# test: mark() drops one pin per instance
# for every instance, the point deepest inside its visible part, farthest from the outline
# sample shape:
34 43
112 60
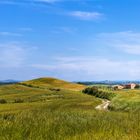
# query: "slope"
49 82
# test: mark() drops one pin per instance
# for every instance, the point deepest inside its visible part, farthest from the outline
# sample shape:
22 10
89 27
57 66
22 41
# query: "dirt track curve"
103 106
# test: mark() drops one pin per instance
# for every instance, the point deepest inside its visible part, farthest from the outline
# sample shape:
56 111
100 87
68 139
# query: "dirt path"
103 106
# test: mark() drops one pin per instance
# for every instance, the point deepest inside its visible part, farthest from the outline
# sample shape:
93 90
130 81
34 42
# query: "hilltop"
38 90
49 82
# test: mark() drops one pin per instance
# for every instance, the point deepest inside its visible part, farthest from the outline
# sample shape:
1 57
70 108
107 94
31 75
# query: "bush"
18 101
98 93
54 89
137 86
90 90
3 101
29 85
9 117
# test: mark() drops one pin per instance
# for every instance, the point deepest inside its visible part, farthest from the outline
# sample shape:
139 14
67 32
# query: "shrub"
3 101
98 93
90 90
8 116
18 101
58 89
54 89
137 86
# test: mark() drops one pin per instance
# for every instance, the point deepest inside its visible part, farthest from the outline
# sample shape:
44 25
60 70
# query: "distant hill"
107 82
49 82
9 81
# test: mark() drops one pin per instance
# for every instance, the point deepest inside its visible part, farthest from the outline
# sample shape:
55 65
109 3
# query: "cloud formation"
10 34
12 54
47 1
126 42
83 15
92 68
101 67
27 1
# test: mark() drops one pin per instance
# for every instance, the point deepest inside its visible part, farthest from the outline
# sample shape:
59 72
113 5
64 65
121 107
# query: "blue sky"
70 39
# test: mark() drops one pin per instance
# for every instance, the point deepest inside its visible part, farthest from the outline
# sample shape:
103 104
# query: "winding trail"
103 106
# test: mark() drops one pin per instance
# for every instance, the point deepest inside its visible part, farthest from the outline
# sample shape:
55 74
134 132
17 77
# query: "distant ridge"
49 82
107 82
9 81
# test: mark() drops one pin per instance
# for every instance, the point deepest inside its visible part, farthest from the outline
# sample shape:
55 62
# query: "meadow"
126 100
58 110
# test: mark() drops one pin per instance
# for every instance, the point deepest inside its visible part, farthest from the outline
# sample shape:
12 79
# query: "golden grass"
54 83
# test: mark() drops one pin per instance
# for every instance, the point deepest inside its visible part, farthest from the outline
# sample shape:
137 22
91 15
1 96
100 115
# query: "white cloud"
93 68
86 15
106 66
131 48
25 29
127 42
12 54
47 1
15 2
63 29
9 2
9 34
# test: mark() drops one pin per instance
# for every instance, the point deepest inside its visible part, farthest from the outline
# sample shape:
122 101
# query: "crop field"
32 111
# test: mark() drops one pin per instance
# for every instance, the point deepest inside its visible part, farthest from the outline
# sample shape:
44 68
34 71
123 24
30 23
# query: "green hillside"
53 83
32 93
126 100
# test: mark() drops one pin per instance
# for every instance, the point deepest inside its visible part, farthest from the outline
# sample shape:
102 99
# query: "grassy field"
126 100
42 112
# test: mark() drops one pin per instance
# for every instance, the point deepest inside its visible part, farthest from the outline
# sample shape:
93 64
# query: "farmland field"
58 110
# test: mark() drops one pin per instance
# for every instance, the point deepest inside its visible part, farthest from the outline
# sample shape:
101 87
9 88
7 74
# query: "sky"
74 40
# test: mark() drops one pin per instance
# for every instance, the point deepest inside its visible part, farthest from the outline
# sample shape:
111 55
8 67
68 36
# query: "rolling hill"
49 82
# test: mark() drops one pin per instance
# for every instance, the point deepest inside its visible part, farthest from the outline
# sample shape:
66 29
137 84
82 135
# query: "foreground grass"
64 120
